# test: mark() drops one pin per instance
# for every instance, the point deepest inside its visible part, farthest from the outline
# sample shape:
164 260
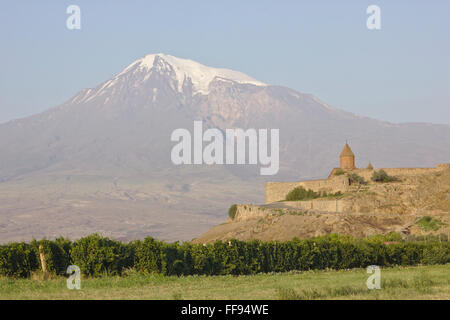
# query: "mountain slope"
380 209
111 144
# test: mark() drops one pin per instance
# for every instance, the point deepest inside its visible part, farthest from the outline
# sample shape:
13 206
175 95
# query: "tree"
232 211
382 176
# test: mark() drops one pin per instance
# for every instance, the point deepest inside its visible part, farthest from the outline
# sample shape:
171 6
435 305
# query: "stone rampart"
277 191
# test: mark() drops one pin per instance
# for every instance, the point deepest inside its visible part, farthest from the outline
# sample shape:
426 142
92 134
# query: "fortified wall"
249 211
367 173
277 191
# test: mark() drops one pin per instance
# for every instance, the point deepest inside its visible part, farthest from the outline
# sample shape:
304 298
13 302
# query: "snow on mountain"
184 70
181 72
101 161
200 75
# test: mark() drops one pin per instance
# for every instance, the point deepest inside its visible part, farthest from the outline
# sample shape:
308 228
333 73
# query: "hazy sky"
400 73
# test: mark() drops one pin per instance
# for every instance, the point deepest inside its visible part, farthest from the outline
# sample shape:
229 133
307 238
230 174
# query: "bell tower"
347 158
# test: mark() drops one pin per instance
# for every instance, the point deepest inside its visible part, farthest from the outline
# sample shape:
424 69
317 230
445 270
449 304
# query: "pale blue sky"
400 73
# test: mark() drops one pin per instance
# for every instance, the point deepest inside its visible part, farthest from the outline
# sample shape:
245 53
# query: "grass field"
430 282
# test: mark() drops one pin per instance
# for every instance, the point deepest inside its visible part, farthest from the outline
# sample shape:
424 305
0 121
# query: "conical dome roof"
347 152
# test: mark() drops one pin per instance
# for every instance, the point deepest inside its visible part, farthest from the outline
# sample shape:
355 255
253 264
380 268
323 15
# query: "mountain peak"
200 75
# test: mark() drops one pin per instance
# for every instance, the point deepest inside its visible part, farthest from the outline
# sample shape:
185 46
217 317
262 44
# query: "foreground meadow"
422 282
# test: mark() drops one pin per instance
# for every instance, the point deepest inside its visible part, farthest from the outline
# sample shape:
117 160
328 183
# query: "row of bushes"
382 176
96 255
355 178
300 193
377 176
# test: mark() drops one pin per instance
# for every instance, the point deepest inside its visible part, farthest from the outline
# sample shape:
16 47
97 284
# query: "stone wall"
249 211
367 173
277 191
443 166
318 204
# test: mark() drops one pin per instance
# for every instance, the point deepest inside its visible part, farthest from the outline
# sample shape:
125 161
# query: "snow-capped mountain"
182 75
186 72
101 161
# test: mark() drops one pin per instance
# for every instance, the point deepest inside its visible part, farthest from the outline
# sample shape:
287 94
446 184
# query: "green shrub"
96 255
232 211
382 176
57 254
437 254
176 259
355 178
300 193
337 194
428 223
148 256
339 172
18 259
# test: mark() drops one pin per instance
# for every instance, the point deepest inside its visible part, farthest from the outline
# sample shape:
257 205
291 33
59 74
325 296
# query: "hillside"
377 208
100 162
